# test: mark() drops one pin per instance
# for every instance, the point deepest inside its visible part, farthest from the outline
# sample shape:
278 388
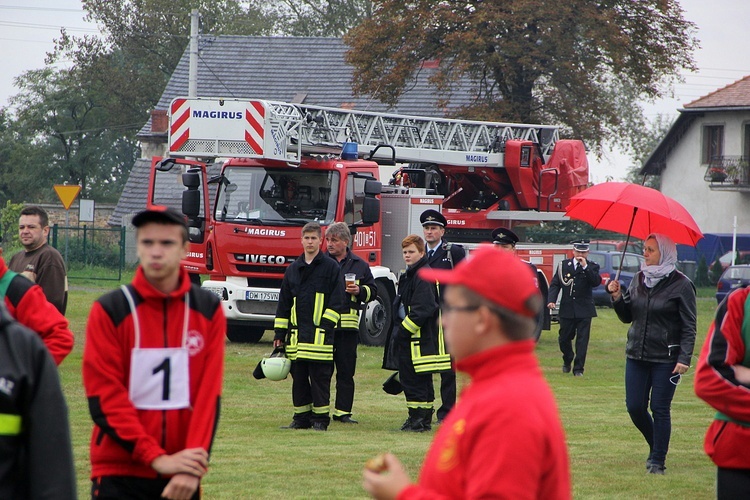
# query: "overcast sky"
30 26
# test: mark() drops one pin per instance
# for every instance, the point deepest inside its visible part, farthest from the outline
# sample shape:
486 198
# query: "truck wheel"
377 318
242 333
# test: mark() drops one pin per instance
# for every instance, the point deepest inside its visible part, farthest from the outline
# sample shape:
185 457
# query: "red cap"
497 275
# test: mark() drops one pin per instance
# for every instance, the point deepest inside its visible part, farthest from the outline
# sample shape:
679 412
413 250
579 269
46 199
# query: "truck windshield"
272 196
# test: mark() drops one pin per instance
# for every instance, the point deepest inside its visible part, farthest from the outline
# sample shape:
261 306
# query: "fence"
87 248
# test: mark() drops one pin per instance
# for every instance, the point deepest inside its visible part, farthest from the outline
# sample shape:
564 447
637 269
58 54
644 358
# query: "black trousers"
732 484
578 329
447 393
130 488
418 387
345 360
311 389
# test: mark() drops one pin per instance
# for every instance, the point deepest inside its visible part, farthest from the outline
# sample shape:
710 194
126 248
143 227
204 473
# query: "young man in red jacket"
152 368
503 439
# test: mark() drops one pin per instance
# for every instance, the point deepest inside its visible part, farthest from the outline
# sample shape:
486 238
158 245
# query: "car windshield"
277 196
737 273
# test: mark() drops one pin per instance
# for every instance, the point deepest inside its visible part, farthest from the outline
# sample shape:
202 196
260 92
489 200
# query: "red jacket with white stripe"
125 440
728 438
27 303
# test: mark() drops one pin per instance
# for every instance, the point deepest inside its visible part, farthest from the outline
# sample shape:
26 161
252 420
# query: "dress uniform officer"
576 278
441 255
506 239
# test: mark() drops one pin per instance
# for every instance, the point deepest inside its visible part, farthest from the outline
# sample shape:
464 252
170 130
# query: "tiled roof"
734 95
280 68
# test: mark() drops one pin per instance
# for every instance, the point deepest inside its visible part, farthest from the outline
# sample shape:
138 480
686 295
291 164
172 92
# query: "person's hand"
352 288
30 275
181 487
680 368
387 484
551 305
613 287
193 461
742 374
582 261
278 343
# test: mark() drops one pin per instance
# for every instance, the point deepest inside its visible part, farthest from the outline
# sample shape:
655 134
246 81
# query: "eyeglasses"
446 308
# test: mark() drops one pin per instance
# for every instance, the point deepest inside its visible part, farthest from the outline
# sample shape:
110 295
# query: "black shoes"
578 374
299 424
657 469
345 419
566 368
320 426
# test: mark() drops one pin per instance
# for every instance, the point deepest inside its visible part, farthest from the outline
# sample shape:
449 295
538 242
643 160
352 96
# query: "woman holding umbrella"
660 306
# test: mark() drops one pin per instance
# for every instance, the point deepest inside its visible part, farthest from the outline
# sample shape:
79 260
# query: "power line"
13 24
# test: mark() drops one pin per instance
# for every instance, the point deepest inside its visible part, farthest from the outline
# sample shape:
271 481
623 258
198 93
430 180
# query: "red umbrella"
634 210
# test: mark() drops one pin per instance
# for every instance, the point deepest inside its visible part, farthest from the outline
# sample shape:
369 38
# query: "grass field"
253 458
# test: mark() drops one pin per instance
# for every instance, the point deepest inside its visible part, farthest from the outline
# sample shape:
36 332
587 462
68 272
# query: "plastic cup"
351 279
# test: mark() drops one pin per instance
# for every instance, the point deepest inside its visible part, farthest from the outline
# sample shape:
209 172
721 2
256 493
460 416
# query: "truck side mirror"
191 197
370 210
373 187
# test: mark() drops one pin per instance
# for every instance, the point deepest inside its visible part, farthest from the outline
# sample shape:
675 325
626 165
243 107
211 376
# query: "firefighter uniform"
346 334
311 301
446 256
418 358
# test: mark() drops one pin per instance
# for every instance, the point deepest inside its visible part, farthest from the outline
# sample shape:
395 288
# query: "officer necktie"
429 254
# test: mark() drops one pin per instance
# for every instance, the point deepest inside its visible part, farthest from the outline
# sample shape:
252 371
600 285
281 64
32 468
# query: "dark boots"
420 420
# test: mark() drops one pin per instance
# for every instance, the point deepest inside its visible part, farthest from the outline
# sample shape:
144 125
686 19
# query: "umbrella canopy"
634 210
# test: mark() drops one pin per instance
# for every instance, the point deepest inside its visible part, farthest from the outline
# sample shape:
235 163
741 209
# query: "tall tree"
528 61
329 18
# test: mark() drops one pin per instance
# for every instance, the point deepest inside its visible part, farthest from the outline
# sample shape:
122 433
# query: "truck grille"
257 307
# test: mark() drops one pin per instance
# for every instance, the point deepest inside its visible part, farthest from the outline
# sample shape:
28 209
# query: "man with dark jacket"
441 255
576 277
311 302
359 290
36 457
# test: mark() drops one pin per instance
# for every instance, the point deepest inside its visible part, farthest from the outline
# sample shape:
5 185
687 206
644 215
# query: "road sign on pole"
67 194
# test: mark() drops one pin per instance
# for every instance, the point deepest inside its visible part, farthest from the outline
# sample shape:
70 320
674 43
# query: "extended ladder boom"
208 127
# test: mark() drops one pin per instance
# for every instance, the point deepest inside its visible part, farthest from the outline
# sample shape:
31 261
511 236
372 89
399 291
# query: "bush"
9 216
701 274
715 273
96 253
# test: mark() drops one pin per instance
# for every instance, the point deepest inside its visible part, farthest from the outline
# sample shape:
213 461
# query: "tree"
579 63
644 141
321 17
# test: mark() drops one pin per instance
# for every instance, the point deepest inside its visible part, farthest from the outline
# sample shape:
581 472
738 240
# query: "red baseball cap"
497 275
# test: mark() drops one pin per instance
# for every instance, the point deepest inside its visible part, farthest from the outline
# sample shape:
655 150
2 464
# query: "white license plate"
263 296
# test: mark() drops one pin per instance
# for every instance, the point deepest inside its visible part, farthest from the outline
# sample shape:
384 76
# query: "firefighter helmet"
276 367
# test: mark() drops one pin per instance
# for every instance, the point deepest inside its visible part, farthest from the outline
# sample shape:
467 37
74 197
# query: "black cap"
162 215
503 236
432 217
581 245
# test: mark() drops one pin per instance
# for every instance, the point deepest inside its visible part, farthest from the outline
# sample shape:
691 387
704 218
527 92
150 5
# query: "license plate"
262 296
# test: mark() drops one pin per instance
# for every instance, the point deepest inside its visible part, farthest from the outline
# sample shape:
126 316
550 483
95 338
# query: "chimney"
159 121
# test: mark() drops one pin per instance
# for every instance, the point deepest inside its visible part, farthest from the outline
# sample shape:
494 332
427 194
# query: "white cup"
351 279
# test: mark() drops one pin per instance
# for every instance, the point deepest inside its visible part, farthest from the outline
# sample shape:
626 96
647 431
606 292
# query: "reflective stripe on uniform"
281 323
410 326
420 404
10 425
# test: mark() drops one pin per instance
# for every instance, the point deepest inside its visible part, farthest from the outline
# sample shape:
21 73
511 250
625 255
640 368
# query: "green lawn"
253 458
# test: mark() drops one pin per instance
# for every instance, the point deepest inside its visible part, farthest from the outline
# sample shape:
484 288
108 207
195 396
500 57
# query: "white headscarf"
654 274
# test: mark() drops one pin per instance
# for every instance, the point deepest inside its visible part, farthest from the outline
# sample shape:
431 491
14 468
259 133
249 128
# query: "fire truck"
249 174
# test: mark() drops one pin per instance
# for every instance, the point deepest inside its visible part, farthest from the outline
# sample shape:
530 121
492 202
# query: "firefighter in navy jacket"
441 255
414 332
36 457
152 368
311 302
576 277
346 335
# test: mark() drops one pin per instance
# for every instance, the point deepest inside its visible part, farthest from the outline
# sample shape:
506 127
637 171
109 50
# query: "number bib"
159 378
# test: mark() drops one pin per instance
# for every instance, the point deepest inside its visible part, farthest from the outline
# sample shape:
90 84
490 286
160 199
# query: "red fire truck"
249 174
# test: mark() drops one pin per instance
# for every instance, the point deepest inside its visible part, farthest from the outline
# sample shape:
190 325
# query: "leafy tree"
701 274
644 141
579 63
321 17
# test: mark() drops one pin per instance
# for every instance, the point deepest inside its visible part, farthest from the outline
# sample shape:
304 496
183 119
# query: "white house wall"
682 179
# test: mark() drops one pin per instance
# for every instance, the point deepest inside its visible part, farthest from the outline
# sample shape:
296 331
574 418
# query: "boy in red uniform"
152 369
503 439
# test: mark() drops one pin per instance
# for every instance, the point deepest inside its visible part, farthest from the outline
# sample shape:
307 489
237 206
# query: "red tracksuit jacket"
503 439
27 303
727 442
126 440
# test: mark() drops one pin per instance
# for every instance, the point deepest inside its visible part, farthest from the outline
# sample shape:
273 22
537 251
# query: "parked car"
616 245
609 262
731 279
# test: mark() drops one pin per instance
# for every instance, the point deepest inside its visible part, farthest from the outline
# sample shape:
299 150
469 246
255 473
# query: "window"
355 196
713 143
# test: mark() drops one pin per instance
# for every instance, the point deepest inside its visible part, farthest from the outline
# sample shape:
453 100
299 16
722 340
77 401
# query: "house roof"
735 96
293 69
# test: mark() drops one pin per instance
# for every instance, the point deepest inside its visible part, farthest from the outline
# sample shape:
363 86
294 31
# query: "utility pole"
193 71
